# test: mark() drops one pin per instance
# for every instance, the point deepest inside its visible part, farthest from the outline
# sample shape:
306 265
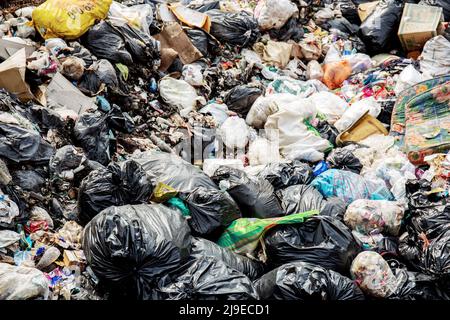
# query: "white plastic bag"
192 74
407 78
356 111
180 94
8 209
265 106
286 126
234 132
262 151
330 105
273 14
435 57
360 62
314 70
138 16
22 283
218 111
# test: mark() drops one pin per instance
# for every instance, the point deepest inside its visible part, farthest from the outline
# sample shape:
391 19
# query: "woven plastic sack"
68 19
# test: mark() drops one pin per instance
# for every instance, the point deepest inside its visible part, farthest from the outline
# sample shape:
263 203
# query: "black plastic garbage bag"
307 282
321 240
344 159
66 158
240 99
349 10
238 28
130 247
415 285
292 30
282 175
205 6
251 268
380 27
118 184
300 198
327 131
205 278
343 25
254 196
28 180
101 72
22 144
202 41
211 209
94 132
122 44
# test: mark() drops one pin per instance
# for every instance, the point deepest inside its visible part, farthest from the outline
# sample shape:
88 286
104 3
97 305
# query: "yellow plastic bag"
68 19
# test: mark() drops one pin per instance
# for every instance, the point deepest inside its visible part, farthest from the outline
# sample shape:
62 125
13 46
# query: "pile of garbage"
225 149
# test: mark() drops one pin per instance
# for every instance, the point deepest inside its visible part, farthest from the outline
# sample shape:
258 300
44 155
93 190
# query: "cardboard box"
74 258
419 24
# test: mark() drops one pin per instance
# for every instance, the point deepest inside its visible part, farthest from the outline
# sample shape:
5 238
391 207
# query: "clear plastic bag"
273 14
407 78
329 105
138 16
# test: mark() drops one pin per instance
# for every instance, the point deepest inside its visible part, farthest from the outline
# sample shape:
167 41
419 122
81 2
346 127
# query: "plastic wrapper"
205 278
118 184
273 14
306 282
282 175
251 268
137 16
22 283
241 98
377 29
67 18
344 159
368 216
192 74
235 28
373 275
254 196
211 209
320 240
130 247
349 186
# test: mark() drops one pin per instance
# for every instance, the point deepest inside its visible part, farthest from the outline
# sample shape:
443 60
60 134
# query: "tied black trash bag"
349 10
343 25
94 132
301 198
28 180
415 285
212 210
122 44
292 29
379 29
240 99
344 159
320 240
432 221
238 28
205 278
129 247
254 196
118 184
202 41
202 247
306 282
282 175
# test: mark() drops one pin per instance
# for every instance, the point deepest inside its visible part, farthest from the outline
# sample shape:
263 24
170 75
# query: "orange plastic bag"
335 73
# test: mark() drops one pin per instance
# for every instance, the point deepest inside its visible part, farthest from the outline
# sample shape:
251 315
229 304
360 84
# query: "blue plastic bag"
349 186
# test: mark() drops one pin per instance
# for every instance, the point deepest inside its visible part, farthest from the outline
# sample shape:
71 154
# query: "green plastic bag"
243 235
